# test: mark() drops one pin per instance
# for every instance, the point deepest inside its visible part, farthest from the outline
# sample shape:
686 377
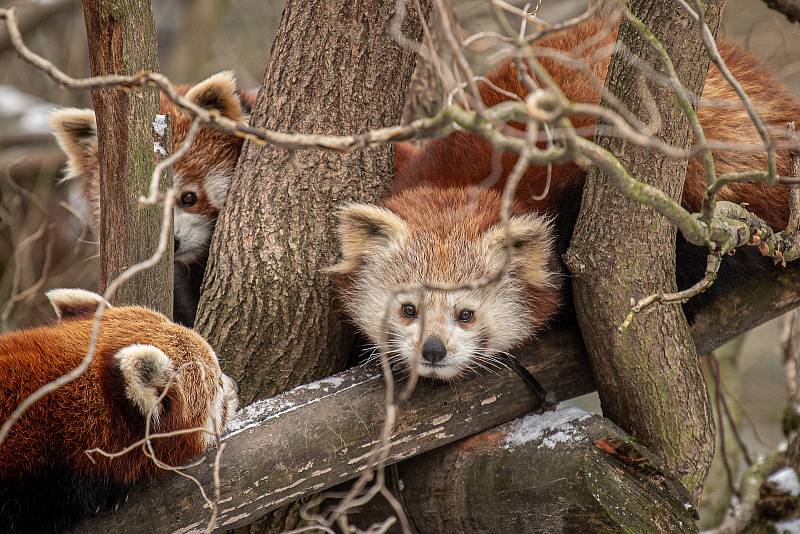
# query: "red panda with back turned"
201 176
437 224
47 482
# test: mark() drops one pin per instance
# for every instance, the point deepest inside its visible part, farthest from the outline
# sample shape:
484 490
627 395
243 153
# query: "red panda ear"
532 247
218 92
364 229
74 303
146 371
76 133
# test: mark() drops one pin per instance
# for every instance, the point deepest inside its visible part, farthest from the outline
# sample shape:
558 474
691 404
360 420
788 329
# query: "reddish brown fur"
212 149
463 159
428 210
86 413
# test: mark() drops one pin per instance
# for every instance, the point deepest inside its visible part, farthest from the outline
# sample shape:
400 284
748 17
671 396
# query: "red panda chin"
146 371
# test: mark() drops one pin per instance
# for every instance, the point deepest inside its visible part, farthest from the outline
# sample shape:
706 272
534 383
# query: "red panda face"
454 237
201 177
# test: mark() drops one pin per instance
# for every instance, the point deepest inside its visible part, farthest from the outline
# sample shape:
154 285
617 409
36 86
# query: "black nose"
177 243
433 350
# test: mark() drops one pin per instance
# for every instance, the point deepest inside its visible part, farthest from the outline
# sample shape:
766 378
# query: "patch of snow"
35 118
552 428
331 381
250 415
786 480
442 419
158 149
14 102
30 112
160 125
791 526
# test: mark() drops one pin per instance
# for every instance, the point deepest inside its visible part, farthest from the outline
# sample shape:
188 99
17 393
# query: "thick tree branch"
291 441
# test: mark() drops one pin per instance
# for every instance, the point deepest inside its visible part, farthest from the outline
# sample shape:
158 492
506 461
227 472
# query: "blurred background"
44 243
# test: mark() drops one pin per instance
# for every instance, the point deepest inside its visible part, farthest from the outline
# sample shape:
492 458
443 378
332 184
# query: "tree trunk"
648 375
335 69
122 40
333 423
266 306
486 483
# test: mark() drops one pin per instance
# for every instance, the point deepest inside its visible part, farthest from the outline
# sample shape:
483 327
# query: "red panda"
47 482
438 224
201 177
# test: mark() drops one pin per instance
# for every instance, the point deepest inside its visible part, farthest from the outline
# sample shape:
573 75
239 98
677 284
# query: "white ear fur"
532 243
75 131
74 303
218 92
146 371
363 229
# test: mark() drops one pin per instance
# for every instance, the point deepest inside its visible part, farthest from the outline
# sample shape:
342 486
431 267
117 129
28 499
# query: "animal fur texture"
439 223
201 177
47 482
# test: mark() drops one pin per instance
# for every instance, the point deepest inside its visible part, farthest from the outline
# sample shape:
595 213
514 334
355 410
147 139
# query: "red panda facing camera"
437 224
47 482
201 176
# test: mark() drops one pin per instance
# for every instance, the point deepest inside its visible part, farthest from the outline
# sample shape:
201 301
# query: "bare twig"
714 365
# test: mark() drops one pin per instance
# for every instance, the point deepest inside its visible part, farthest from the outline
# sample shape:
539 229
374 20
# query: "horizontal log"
487 482
318 435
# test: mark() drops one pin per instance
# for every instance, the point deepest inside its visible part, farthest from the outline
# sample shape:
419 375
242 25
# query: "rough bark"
335 69
486 484
331 428
266 306
648 375
426 90
122 40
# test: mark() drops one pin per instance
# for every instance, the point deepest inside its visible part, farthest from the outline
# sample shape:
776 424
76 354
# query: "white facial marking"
216 184
193 231
502 320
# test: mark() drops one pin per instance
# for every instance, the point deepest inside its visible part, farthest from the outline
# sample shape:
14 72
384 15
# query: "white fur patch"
193 230
147 371
216 184
223 408
67 301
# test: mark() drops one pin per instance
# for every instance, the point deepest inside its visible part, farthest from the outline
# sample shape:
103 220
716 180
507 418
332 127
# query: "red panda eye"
409 311
188 199
466 316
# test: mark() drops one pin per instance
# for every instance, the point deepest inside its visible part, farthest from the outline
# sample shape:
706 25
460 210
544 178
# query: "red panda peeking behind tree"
201 176
47 482
437 224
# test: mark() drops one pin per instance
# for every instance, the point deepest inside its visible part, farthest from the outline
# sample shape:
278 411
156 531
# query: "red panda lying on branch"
201 177
437 224
47 481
